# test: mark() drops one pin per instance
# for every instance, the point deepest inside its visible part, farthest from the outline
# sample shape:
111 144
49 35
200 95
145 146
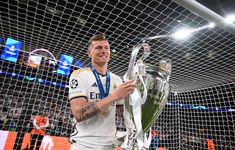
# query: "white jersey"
98 131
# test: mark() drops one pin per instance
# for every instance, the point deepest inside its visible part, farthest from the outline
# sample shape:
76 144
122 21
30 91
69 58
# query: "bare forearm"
87 111
92 108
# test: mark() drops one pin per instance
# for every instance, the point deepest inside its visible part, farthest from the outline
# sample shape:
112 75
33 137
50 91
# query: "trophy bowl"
158 90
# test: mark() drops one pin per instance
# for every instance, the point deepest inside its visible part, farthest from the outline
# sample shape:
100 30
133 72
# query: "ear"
89 53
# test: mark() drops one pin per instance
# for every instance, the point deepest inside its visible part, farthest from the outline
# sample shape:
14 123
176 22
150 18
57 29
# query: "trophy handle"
135 51
130 72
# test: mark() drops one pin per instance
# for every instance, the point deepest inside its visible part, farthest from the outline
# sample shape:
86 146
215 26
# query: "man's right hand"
124 90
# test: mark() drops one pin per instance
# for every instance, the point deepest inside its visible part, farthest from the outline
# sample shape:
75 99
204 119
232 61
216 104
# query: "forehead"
100 43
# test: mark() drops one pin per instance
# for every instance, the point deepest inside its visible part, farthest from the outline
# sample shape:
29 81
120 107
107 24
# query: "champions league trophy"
145 104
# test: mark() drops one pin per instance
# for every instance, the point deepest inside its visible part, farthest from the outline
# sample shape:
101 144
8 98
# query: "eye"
107 47
98 47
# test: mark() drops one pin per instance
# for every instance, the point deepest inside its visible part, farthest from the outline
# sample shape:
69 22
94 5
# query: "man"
93 94
155 140
40 123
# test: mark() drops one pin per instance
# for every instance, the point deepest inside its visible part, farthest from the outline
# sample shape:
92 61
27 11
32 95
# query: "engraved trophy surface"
145 104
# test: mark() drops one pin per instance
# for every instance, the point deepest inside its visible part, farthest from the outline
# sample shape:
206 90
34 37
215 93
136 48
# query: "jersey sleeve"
77 86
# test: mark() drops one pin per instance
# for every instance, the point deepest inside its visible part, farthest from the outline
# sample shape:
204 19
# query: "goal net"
201 106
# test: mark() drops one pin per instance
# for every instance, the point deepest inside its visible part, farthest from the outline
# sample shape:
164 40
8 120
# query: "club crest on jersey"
74 83
114 86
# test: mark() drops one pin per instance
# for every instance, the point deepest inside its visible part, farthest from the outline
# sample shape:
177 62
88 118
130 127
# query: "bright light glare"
182 34
211 25
230 19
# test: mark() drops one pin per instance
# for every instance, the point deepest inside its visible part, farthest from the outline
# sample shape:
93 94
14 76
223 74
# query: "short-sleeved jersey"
100 129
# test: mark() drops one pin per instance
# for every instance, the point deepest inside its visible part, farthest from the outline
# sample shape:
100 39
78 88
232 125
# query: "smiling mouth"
103 56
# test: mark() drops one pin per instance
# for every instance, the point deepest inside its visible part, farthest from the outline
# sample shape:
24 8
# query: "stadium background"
202 101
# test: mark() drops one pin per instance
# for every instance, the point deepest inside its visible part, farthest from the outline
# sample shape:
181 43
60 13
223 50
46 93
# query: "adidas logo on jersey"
94 85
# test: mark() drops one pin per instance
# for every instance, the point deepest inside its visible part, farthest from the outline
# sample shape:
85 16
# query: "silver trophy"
145 104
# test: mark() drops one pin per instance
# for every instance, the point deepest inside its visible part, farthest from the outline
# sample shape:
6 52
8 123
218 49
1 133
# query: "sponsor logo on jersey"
94 95
94 85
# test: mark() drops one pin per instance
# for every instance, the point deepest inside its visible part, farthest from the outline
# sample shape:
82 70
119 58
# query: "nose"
104 50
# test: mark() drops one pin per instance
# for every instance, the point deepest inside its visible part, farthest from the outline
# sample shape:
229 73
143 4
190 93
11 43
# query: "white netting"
202 75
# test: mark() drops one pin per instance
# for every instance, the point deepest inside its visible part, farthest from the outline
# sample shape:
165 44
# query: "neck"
101 69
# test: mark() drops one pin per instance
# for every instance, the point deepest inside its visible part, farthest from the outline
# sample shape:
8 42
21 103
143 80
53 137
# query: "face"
99 52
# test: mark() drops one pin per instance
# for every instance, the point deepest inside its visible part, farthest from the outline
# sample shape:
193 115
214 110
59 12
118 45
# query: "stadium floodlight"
182 34
230 18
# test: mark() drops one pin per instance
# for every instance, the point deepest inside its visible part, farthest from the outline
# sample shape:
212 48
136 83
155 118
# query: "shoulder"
81 71
37 117
115 77
47 119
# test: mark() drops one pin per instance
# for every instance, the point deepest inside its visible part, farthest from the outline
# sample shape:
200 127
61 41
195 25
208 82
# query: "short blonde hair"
97 37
